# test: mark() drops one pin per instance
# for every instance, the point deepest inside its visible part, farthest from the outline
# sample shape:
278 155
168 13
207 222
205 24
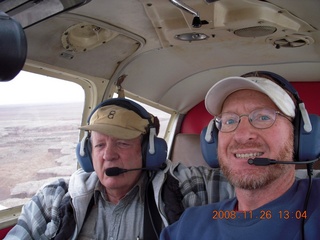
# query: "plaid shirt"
201 185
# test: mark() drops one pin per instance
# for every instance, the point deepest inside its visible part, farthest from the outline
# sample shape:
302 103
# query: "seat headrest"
13 47
186 149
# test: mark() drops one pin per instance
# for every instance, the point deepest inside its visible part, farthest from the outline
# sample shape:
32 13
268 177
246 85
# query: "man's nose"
110 152
245 131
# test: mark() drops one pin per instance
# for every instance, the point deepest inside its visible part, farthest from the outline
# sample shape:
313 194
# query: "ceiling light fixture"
190 37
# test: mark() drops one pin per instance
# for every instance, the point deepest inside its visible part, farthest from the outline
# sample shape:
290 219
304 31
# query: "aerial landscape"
37 145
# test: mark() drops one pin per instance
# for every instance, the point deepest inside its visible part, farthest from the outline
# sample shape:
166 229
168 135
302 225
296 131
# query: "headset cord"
148 202
306 201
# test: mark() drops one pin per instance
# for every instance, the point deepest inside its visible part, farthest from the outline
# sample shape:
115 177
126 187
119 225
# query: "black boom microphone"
268 161
115 171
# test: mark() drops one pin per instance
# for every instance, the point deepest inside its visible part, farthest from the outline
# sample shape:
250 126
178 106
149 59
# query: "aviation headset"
306 128
154 149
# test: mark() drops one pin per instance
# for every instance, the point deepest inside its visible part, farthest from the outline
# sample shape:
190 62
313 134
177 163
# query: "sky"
32 88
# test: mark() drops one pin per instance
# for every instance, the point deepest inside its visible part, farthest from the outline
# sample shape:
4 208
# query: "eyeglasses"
260 118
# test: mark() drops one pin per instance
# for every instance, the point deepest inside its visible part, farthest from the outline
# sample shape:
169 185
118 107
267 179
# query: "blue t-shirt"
279 219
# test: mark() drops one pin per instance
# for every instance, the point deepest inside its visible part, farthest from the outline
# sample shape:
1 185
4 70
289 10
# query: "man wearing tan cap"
116 141
112 196
260 126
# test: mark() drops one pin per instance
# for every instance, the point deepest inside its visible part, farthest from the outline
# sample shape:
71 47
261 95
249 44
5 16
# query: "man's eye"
99 145
230 121
123 144
263 118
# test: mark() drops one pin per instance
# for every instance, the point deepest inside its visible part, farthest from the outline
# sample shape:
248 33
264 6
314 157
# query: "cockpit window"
39 120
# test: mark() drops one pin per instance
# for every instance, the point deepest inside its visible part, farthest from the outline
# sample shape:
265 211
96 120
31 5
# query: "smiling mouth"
248 155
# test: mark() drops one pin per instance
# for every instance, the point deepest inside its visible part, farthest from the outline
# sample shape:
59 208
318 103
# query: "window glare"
25 88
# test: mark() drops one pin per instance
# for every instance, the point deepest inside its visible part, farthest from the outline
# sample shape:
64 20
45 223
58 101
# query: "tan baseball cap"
115 121
222 89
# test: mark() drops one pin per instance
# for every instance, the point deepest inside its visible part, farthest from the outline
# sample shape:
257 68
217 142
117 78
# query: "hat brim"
221 90
114 131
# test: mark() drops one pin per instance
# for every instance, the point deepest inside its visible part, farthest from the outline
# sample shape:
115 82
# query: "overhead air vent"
84 36
256 31
291 41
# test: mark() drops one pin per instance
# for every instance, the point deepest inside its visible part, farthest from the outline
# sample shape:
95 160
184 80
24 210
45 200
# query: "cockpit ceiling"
164 57
81 44
221 20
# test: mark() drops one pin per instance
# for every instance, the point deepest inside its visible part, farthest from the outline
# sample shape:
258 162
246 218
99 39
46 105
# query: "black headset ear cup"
83 152
209 144
309 142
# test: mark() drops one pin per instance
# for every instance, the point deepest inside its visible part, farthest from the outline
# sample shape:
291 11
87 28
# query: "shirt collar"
139 187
